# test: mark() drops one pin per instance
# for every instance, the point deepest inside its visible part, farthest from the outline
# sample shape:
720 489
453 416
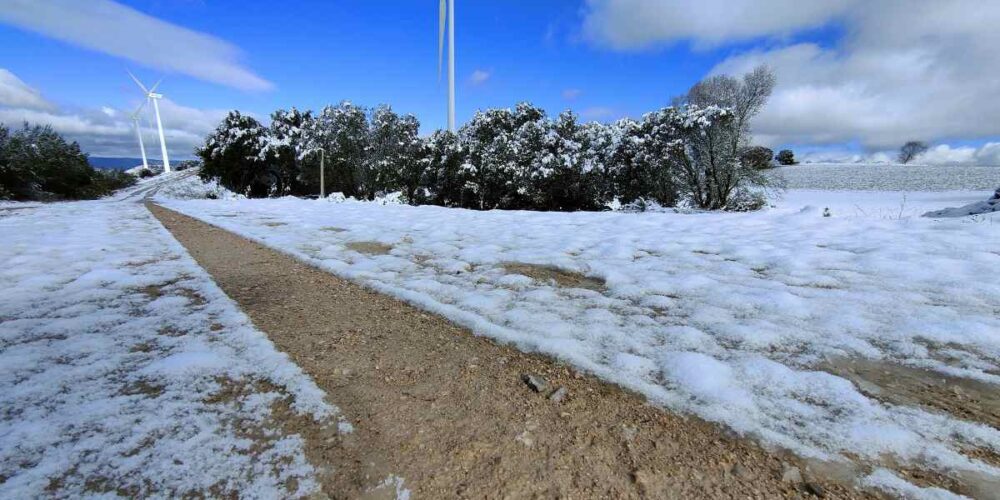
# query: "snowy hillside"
732 317
116 355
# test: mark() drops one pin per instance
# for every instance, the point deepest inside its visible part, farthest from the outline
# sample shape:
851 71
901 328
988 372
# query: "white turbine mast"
153 96
138 133
447 10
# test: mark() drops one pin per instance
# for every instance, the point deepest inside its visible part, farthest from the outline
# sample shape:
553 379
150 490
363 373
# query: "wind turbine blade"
137 110
153 88
137 82
441 19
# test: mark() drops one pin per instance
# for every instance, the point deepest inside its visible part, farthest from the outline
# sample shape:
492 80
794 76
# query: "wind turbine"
138 133
449 6
153 96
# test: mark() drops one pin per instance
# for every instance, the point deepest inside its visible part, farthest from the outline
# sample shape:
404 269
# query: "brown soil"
561 277
903 385
962 398
448 411
369 247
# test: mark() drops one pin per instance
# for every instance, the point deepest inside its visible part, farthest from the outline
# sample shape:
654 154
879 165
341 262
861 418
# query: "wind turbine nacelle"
153 95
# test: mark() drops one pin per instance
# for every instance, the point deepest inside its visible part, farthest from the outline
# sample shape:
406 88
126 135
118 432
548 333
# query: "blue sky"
320 52
604 59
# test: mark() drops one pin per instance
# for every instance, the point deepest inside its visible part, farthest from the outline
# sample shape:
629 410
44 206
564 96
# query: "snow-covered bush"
234 156
695 155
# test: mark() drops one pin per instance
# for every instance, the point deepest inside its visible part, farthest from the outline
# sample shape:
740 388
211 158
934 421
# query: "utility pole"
322 183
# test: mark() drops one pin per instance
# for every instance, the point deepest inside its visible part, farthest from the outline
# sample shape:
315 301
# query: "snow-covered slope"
987 207
116 355
724 315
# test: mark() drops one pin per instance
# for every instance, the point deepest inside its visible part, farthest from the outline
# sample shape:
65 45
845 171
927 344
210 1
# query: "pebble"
559 395
535 382
738 470
791 475
814 489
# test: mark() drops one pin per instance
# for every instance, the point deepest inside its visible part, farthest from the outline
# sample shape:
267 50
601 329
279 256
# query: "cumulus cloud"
479 76
111 28
915 70
14 92
943 154
106 131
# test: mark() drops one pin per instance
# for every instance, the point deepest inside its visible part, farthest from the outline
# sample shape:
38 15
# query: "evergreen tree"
341 131
285 150
234 155
37 163
393 156
442 175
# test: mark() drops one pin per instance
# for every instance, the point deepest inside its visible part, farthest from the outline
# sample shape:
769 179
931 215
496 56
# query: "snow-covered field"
124 370
875 177
727 316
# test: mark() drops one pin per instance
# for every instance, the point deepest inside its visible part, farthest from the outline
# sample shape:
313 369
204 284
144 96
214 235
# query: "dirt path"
448 411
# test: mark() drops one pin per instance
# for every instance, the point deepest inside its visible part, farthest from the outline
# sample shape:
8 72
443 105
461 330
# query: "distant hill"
117 163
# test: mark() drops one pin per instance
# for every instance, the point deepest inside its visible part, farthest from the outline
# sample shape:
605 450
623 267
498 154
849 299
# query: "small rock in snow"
535 382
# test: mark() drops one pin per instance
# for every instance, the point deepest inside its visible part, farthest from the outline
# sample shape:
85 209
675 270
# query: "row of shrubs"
503 158
36 163
695 153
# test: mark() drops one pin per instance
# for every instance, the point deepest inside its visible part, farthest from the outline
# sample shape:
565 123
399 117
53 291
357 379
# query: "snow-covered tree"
786 157
341 131
393 155
564 177
911 150
285 150
719 113
234 156
442 180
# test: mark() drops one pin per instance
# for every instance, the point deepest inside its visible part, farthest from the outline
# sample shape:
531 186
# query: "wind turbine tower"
138 133
153 96
447 11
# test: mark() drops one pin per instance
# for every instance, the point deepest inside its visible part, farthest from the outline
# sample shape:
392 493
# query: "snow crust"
116 355
726 316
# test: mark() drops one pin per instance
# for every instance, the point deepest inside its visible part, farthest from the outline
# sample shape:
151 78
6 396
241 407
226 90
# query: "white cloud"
14 92
920 69
987 154
105 131
598 113
943 154
632 24
109 27
571 94
479 76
